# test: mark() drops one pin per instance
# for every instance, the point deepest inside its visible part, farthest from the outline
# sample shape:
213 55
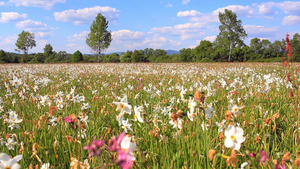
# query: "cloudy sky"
140 24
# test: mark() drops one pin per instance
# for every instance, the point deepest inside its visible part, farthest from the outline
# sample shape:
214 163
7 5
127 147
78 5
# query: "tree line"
228 46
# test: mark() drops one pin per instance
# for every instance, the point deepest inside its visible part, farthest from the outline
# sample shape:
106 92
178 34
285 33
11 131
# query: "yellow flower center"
235 109
122 106
7 168
232 137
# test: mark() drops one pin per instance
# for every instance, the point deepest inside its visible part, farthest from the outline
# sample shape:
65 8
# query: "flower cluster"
122 145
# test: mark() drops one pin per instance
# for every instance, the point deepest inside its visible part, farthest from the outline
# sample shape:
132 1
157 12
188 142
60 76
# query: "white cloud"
185 2
238 9
175 43
290 7
191 13
127 35
47 4
81 36
291 20
40 29
261 31
196 16
266 8
185 31
210 38
86 15
8 43
12 16
2 3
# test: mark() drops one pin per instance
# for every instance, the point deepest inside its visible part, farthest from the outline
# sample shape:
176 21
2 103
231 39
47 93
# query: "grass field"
208 115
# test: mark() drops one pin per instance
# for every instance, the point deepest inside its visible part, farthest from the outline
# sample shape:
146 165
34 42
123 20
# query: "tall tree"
25 42
232 32
99 37
48 50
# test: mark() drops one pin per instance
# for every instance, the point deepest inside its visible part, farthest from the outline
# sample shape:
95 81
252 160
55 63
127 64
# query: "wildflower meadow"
147 115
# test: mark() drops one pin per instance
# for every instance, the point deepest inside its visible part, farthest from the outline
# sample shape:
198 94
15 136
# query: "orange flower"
228 115
231 159
285 157
211 154
297 162
200 96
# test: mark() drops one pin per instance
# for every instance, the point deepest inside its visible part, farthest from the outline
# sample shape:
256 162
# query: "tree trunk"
99 54
230 47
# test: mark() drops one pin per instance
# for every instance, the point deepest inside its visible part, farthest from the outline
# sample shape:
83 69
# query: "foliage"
26 41
48 50
77 56
2 56
231 33
99 37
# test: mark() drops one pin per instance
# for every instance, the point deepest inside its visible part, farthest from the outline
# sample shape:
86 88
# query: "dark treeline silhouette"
258 50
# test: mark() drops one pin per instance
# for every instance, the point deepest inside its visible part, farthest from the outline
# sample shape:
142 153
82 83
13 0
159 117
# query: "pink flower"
252 155
124 160
68 119
95 148
264 157
114 144
280 166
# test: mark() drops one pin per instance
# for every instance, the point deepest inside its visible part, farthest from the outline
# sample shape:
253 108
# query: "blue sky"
140 24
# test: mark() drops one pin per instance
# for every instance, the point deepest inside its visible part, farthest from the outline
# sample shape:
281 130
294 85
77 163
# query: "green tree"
126 57
256 47
185 54
278 48
232 32
48 50
77 56
203 50
99 38
26 41
295 44
137 56
2 56
38 58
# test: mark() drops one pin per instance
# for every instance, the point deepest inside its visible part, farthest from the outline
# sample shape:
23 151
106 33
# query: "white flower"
221 125
8 163
176 123
123 105
235 109
126 126
137 115
244 165
128 147
204 126
209 111
53 121
45 166
10 143
85 106
191 115
234 137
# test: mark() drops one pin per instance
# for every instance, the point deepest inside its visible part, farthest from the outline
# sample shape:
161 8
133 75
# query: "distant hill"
170 52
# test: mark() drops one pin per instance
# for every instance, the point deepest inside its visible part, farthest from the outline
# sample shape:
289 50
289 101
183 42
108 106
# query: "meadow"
146 115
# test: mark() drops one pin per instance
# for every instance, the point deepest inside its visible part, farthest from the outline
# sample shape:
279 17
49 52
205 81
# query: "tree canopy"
99 37
232 32
26 41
